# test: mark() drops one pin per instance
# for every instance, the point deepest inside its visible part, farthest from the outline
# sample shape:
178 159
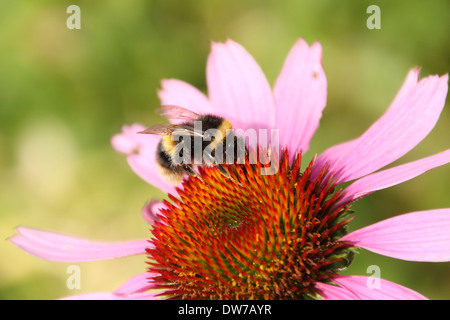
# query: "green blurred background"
64 93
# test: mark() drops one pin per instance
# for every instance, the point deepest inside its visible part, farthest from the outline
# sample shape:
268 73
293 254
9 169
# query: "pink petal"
129 141
180 93
331 292
417 236
238 89
151 211
143 164
62 248
137 284
133 289
391 177
123 144
141 151
411 116
112 296
300 93
387 290
333 154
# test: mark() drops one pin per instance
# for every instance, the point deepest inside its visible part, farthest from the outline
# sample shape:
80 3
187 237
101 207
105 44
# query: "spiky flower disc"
266 237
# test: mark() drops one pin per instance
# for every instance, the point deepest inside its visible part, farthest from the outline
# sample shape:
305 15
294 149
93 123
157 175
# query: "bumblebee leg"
192 172
226 173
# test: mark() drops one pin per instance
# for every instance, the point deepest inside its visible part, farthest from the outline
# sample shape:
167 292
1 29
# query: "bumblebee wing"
168 128
162 129
177 113
187 130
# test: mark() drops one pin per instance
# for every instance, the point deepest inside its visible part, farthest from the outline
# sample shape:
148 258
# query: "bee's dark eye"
181 138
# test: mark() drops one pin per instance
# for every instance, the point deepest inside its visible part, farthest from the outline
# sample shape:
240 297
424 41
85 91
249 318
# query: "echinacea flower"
280 236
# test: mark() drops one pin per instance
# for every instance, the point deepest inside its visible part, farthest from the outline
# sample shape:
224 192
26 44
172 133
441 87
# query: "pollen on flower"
266 237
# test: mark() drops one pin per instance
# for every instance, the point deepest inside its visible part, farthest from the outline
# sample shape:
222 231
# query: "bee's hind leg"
192 172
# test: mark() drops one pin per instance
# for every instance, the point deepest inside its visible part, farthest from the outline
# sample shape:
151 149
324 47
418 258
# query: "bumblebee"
197 139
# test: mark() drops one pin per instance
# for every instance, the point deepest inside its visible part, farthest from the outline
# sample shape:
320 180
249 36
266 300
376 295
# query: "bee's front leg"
227 174
192 172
